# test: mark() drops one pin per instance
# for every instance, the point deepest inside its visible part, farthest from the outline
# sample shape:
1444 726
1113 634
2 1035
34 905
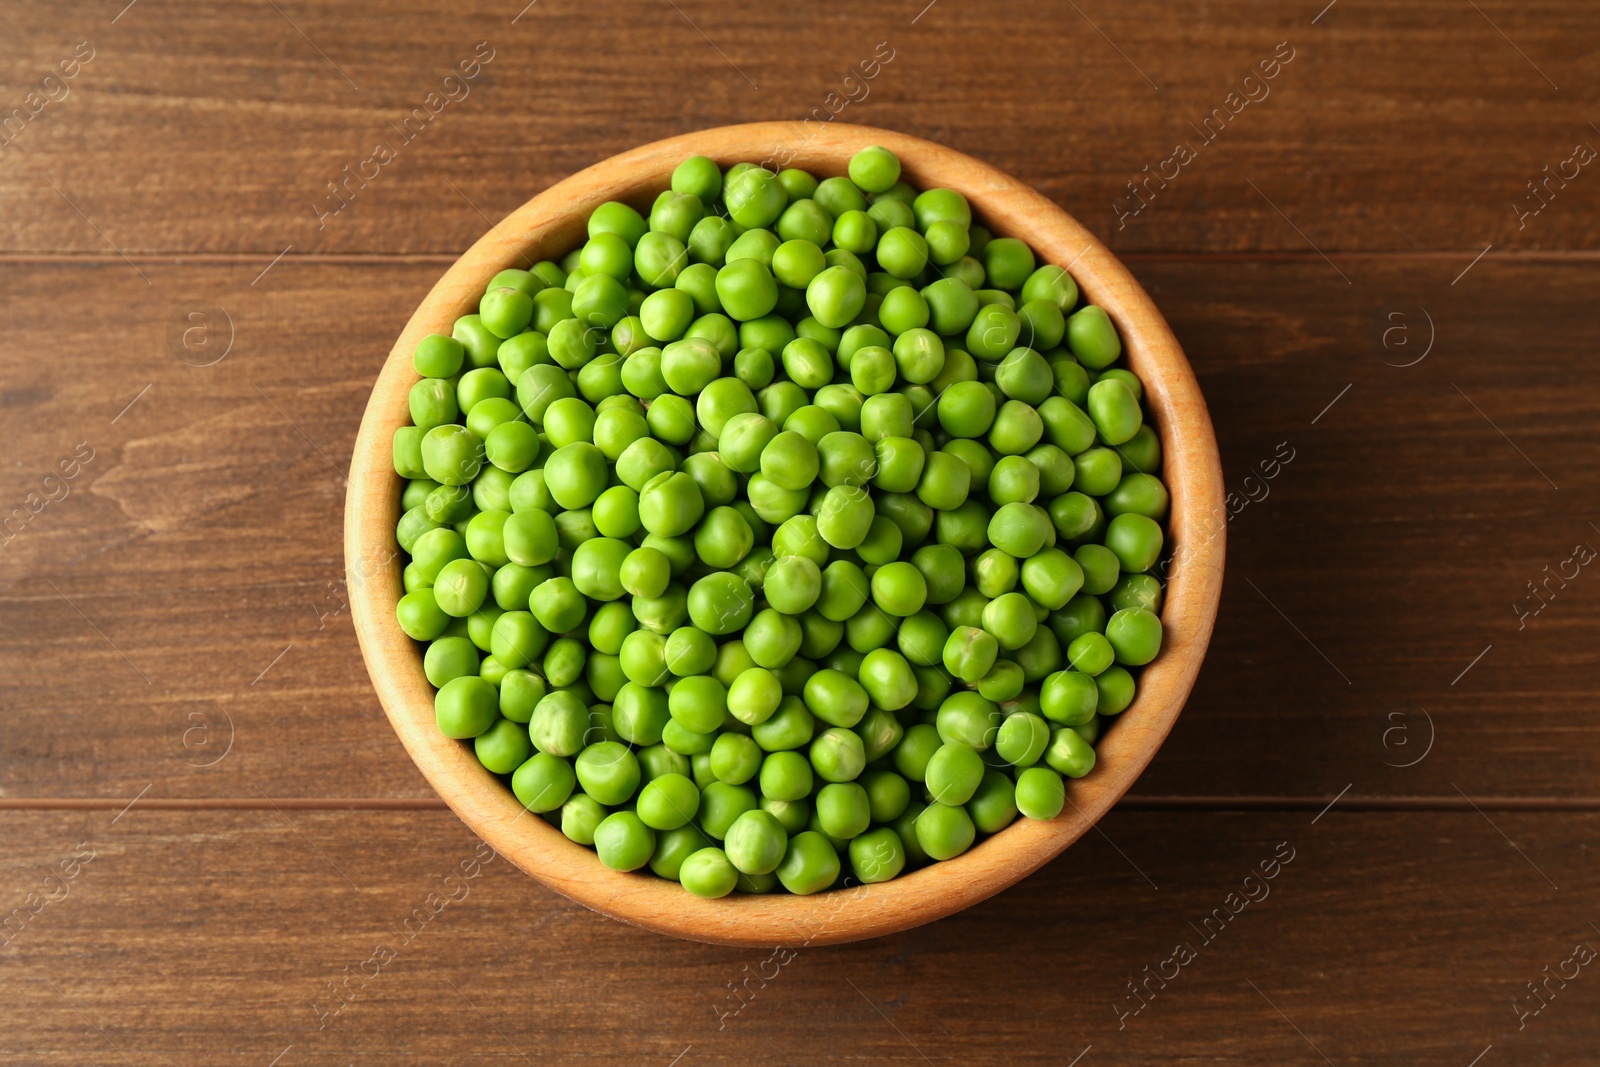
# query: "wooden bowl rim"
547 226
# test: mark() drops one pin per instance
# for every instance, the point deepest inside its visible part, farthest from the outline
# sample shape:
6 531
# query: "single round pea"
837 755
1052 578
1090 653
623 841
699 703
899 589
1069 753
466 707
698 176
1022 739
792 584
721 804
967 409
994 806
944 831
970 653
754 196
1137 591
1092 337
790 461
755 842
810 864
1100 568
1011 619
543 782
843 810
903 252
708 874
1017 428
754 696
875 169
845 517
945 482
735 758
1040 793
438 356
1117 688
953 773
461 587
608 771
1136 541
835 296
835 698
639 714
668 802
746 289
1134 635
888 679
721 603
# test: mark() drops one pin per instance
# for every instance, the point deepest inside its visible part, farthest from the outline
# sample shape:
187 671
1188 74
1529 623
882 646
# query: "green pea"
1136 541
623 841
1115 410
1020 530
754 197
1100 568
747 289
835 296
1142 451
1022 739
855 231
1138 494
755 842
919 354
461 587
966 409
993 807
721 804
899 589
948 241
874 169
993 332
438 356
1011 619
903 252
1136 591
793 584
1052 578
1117 688
835 698
843 810
721 603
810 864
668 802
1069 753
689 651
944 831
772 638
845 517
465 707
543 782
1013 479
1092 337
837 755
1134 635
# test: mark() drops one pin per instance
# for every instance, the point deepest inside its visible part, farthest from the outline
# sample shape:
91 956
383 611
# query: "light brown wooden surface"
203 539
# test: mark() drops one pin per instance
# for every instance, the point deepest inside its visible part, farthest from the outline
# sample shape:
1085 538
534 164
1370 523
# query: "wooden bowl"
551 224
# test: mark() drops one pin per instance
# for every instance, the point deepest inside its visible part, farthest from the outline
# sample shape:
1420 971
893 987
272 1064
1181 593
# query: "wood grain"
545 226
260 911
204 538
1405 128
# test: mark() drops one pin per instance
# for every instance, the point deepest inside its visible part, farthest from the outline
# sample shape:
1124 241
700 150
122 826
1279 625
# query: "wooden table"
208 824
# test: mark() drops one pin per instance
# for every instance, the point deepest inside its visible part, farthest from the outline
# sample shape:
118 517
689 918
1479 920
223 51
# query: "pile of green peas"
792 532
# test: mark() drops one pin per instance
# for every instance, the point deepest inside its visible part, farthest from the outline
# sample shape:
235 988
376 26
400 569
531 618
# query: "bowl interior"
551 224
